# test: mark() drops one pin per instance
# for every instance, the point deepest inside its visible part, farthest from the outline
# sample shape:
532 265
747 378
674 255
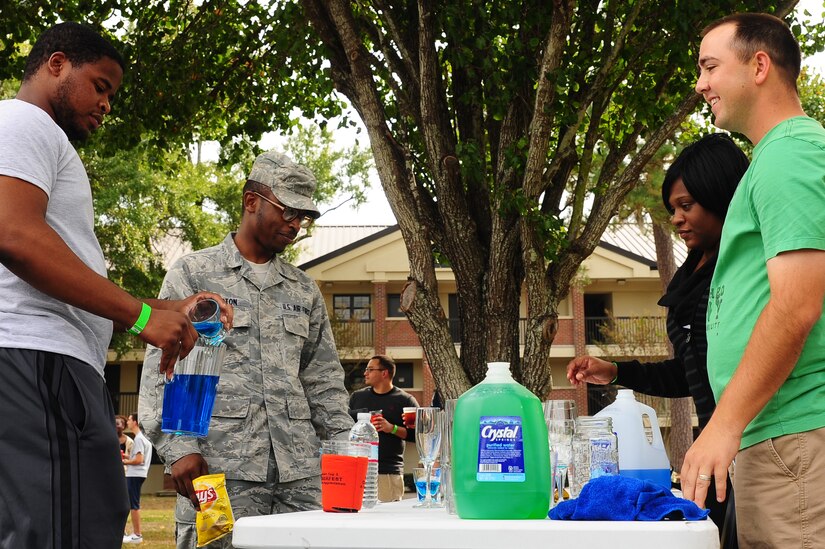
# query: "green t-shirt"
779 206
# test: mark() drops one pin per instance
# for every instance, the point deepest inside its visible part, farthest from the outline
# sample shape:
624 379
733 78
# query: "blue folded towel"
618 497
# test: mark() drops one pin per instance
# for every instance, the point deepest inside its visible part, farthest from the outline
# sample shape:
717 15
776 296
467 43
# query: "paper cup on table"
343 474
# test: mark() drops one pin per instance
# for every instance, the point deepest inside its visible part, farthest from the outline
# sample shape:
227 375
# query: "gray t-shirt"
33 148
141 446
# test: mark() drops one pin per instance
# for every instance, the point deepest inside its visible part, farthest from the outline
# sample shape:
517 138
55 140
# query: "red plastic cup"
408 417
376 418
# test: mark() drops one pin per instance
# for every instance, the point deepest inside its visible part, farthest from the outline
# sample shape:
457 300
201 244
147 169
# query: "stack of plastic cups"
446 449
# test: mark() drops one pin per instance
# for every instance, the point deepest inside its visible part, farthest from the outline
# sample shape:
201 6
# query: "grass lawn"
157 518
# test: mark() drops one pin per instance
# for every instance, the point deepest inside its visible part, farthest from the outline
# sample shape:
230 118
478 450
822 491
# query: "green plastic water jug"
501 458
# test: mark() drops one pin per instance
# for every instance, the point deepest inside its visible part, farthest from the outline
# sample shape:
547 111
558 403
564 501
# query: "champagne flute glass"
446 456
560 416
206 319
428 429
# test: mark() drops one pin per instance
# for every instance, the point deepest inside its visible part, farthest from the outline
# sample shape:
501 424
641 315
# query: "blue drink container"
189 398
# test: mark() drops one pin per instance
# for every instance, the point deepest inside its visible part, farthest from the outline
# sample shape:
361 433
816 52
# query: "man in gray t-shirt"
62 483
137 468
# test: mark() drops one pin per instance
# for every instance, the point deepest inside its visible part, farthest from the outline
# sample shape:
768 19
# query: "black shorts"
61 476
133 485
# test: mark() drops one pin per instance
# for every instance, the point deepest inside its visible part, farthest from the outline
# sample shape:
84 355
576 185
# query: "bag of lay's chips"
214 520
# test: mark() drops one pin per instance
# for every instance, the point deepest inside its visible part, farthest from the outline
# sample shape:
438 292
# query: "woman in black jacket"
697 190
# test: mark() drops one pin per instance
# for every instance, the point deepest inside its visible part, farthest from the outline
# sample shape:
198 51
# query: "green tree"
812 93
154 205
483 119
342 173
153 202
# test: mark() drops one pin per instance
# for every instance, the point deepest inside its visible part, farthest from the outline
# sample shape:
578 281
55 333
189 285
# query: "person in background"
137 465
59 309
282 386
697 190
126 441
765 324
381 394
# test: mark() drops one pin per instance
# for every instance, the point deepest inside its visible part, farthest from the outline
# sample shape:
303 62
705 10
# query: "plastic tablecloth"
399 526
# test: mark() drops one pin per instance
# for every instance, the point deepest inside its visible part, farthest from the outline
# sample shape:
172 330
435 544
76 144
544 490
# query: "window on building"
453 318
394 306
352 307
595 316
403 375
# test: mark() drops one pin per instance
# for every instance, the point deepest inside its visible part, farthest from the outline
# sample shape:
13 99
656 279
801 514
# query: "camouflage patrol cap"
291 183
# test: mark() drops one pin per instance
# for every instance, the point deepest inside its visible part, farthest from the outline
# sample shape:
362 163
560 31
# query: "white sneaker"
134 538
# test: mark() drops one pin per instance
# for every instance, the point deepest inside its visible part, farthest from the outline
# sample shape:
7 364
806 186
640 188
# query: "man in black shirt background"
381 394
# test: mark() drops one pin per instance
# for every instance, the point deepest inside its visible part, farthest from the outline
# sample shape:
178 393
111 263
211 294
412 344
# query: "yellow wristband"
394 429
140 323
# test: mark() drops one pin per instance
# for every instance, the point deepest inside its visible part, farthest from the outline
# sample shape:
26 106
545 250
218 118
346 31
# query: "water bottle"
500 456
595 452
363 431
642 452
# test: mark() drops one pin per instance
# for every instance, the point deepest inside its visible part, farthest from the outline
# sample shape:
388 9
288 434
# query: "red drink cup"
376 418
408 417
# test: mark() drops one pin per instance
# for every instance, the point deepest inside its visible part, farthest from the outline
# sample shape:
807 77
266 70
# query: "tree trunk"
681 428
484 133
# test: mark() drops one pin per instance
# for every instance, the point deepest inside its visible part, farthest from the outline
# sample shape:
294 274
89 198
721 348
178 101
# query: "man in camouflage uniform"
282 385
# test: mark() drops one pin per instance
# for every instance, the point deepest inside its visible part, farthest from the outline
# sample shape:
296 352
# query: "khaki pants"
390 487
780 492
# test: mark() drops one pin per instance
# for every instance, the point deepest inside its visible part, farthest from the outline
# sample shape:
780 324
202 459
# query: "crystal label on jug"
500 449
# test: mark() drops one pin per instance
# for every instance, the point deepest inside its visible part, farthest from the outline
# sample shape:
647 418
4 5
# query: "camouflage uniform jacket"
282 385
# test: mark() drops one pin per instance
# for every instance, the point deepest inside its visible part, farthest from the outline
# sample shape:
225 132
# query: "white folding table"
399 526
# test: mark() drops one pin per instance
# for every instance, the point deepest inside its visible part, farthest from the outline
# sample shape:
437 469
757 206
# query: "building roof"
328 241
331 240
638 240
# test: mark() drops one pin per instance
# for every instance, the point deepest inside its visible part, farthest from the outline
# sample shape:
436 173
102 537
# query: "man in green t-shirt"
765 326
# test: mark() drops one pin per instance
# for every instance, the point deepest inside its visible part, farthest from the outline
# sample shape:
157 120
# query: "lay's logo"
206 497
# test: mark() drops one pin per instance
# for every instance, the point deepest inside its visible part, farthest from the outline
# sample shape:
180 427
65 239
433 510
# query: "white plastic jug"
642 452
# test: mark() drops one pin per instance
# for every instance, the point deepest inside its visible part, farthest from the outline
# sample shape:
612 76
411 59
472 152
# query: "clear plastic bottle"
595 451
500 456
363 431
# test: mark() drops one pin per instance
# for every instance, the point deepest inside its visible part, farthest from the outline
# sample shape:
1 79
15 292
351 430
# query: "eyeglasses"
289 213
373 369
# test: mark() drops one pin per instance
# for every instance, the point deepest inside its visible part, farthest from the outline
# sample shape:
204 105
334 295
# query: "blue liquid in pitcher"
187 404
656 476
208 329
